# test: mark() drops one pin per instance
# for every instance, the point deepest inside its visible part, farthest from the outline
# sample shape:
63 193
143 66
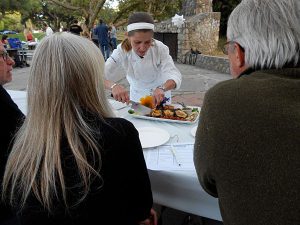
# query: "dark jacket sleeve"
11 119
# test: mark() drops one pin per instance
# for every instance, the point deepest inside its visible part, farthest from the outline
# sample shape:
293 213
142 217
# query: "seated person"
17 52
31 41
4 40
75 28
11 118
247 142
80 164
29 36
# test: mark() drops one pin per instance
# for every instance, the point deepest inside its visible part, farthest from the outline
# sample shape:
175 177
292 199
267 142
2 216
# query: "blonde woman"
28 35
72 162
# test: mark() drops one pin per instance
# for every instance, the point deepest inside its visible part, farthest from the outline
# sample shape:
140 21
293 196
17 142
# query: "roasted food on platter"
172 113
171 107
168 112
156 113
180 113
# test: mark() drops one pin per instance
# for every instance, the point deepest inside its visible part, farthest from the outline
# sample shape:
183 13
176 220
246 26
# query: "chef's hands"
159 92
120 94
158 95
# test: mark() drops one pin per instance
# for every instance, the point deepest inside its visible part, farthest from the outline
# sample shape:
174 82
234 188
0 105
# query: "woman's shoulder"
115 127
159 48
159 44
118 122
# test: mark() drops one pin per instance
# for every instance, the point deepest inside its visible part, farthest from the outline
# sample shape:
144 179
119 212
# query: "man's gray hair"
268 30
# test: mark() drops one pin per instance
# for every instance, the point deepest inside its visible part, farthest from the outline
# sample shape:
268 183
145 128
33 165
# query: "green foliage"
159 9
1 25
12 22
10 5
106 14
225 7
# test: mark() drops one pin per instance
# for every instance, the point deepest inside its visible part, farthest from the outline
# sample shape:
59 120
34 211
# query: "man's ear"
126 34
240 55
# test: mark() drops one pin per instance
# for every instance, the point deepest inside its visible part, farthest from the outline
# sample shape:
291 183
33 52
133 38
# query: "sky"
114 3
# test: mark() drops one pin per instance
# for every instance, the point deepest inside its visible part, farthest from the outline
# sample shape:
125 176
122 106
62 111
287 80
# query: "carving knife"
140 109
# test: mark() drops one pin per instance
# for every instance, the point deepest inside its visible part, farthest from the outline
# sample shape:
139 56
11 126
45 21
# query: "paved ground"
195 83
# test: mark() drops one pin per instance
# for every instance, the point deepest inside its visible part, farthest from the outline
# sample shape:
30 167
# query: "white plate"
168 120
153 136
117 105
193 131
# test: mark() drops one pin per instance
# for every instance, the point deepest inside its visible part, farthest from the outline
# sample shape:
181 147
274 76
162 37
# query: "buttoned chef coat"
146 73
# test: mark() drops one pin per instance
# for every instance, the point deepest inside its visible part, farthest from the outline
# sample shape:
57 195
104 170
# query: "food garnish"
147 101
131 111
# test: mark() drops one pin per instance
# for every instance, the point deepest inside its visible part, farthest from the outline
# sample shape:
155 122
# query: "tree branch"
65 5
125 10
96 12
70 7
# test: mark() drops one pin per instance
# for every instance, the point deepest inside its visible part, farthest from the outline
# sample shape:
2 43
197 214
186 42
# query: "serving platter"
168 120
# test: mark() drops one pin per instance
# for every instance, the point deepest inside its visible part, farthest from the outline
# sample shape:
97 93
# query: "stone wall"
200 31
219 64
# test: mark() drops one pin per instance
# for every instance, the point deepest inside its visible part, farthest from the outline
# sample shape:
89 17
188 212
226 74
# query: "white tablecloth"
176 189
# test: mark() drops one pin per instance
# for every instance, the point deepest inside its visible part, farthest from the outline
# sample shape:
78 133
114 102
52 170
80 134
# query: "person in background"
72 161
109 39
102 32
32 42
247 142
28 35
11 119
4 40
94 36
113 36
148 66
75 28
48 30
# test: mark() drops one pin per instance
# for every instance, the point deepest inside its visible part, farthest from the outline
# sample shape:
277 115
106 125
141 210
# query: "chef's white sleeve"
113 70
168 68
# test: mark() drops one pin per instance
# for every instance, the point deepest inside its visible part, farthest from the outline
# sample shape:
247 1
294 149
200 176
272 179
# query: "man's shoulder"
7 105
224 86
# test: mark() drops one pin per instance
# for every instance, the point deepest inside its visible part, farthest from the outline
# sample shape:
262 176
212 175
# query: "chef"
148 66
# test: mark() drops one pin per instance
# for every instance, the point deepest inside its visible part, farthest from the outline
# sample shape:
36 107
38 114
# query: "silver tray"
168 120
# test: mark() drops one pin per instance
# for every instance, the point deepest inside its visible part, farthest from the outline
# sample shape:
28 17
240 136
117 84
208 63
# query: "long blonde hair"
66 79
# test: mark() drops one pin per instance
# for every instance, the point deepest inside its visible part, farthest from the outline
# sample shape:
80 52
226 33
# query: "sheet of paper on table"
170 157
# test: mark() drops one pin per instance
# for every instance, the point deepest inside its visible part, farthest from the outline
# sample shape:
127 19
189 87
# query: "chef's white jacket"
143 74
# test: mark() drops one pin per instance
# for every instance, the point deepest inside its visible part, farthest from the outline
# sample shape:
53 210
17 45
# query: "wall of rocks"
199 32
215 63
